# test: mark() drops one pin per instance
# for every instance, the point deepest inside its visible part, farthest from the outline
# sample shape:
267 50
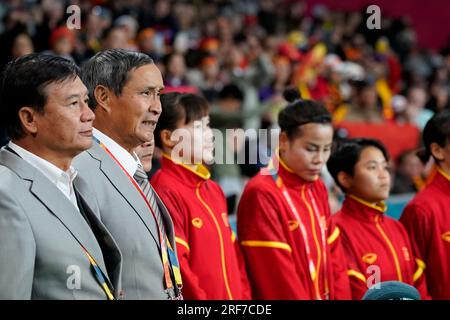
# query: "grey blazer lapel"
53 199
167 219
122 184
111 252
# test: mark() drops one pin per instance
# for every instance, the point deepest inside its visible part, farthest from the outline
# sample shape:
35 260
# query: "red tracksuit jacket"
427 220
273 246
370 238
210 259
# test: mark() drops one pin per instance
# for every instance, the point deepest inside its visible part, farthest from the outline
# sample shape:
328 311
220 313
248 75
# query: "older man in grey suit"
52 243
124 88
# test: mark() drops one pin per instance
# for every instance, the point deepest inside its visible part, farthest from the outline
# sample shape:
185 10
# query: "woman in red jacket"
290 249
427 216
377 247
210 261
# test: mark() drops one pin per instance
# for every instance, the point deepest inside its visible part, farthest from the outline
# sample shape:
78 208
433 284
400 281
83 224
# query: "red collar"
290 179
184 173
363 210
442 180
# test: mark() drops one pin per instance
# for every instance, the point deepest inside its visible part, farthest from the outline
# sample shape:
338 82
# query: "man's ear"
166 140
284 142
27 116
102 96
437 151
345 180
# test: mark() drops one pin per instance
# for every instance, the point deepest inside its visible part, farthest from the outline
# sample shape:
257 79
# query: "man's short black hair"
111 68
347 154
23 83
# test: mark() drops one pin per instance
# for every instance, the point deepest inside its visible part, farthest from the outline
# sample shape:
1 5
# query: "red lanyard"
311 266
323 231
165 259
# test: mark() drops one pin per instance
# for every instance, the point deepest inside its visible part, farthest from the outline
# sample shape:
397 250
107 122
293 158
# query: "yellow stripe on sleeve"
356 274
420 268
333 236
183 243
267 244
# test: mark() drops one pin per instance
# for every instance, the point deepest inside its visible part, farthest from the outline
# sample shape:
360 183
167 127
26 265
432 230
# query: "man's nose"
155 105
87 114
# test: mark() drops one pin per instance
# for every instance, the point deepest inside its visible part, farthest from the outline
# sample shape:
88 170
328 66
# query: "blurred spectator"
97 21
146 42
409 177
225 115
115 38
208 79
380 79
175 75
440 99
130 26
416 112
22 45
365 105
62 42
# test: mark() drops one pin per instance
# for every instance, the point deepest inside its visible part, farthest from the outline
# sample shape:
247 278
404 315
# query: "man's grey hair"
111 68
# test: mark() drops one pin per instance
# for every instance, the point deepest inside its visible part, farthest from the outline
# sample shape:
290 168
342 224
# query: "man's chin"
86 144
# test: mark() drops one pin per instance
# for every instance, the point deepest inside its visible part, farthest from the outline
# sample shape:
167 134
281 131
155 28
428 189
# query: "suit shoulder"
3 171
12 190
9 178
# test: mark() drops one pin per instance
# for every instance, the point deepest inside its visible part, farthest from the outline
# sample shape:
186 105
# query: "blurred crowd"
241 55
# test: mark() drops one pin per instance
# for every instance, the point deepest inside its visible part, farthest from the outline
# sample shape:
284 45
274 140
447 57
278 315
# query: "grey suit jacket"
128 218
40 235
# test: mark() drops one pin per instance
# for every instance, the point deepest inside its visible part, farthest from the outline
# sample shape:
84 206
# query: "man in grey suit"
52 243
124 87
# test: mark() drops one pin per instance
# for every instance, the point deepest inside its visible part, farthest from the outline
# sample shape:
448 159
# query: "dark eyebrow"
72 96
151 88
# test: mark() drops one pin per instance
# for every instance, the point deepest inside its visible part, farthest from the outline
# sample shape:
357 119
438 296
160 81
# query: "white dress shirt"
63 180
128 161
